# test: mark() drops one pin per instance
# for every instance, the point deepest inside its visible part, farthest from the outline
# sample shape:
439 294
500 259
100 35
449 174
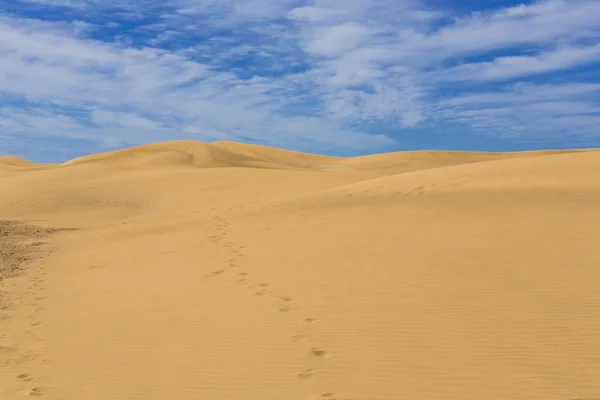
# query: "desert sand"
222 271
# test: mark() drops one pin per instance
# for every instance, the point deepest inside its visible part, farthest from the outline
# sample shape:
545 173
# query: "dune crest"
198 154
230 271
232 154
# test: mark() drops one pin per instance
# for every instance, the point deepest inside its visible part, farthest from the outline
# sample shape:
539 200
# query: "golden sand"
237 272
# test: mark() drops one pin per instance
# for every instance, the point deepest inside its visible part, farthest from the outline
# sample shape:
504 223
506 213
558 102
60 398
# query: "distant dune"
231 154
233 271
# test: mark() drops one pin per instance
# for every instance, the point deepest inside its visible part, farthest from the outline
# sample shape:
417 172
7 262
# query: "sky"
334 77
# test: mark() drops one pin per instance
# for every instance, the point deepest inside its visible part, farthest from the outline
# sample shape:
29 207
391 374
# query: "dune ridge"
232 154
235 271
219 154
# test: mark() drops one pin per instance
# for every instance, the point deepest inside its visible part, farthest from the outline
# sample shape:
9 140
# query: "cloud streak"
313 75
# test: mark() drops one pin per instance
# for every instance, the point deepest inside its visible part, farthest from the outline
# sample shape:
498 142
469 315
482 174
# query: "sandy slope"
230 271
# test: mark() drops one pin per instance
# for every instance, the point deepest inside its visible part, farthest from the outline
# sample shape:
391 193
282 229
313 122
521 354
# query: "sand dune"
231 154
219 154
9 164
232 271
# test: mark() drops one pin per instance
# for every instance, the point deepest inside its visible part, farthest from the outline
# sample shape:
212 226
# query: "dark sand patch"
20 244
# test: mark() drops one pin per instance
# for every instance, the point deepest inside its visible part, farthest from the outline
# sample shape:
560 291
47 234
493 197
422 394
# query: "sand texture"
224 271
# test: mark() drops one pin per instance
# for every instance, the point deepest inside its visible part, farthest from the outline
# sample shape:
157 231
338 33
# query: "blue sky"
337 77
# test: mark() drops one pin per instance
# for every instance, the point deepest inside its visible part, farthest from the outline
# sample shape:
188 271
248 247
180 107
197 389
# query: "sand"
186 270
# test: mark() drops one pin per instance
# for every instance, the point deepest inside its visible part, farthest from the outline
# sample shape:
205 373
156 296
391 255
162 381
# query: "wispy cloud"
521 66
297 73
530 111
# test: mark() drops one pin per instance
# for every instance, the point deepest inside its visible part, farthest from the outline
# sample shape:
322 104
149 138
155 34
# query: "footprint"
262 293
330 396
25 377
263 284
318 352
300 337
309 319
36 391
284 309
217 272
306 374
242 273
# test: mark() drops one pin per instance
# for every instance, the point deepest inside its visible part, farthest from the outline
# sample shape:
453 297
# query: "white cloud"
537 23
328 10
123 120
18 120
296 72
59 3
335 40
519 66
528 110
521 93
101 79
